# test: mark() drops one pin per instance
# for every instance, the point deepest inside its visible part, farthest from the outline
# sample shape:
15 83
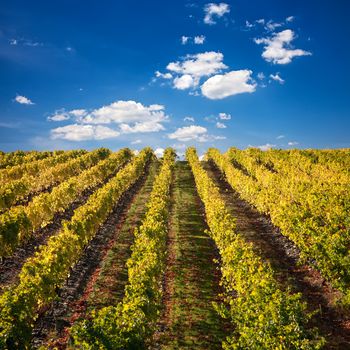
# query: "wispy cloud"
23 100
224 116
213 10
276 77
184 39
25 42
278 49
199 39
220 125
163 75
264 147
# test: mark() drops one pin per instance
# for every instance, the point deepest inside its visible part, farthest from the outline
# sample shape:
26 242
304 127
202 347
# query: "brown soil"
333 323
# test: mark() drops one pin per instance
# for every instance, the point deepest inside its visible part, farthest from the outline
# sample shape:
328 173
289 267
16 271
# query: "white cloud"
199 65
271 26
193 133
61 115
147 126
78 112
136 142
276 77
199 39
25 42
23 100
261 76
159 152
249 25
265 147
224 116
179 146
189 133
163 75
32 43
215 10
290 19
221 125
260 21
77 132
130 115
184 82
231 83
184 39
293 143
58 117
279 137
188 119
278 48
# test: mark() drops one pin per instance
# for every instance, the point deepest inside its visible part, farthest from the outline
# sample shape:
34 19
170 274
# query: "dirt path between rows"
191 282
51 329
283 255
12 265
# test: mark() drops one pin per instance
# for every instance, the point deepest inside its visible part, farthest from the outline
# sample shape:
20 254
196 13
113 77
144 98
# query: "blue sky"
85 74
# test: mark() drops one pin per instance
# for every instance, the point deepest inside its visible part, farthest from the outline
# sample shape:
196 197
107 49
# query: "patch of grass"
109 286
192 321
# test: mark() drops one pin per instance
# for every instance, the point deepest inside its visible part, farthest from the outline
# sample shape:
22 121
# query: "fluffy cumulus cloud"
78 112
293 143
213 10
198 65
276 77
278 48
193 133
184 82
78 132
128 116
189 119
228 84
23 100
189 133
189 71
